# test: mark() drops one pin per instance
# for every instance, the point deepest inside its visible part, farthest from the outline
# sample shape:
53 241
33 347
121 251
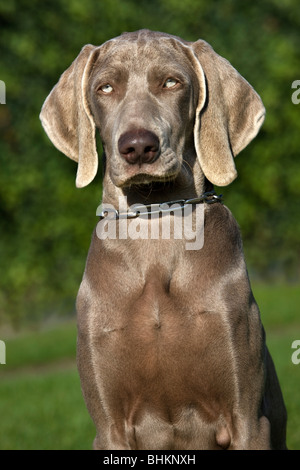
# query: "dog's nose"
139 146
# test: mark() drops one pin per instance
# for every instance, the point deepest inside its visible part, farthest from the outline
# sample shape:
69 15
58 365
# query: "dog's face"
158 102
144 100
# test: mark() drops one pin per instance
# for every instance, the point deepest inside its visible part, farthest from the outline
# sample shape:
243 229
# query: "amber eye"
107 88
170 83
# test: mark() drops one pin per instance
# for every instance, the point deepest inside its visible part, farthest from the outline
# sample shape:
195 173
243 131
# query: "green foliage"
46 223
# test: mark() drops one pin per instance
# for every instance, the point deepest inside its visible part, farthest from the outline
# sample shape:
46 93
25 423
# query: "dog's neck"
184 186
158 192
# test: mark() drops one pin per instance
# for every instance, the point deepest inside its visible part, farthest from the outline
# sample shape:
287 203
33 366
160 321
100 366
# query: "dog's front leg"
91 360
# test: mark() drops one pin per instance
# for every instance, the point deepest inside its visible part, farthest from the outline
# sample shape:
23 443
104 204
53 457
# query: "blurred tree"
46 223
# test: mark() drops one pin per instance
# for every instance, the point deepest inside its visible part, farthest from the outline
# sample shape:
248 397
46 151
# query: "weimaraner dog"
171 348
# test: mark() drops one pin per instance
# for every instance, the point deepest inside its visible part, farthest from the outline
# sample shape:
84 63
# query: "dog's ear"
67 119
228 116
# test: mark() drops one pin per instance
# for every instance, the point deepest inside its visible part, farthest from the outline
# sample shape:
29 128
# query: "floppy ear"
227 119
67 119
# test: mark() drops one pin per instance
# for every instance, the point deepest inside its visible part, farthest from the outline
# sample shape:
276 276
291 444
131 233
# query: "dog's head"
155 99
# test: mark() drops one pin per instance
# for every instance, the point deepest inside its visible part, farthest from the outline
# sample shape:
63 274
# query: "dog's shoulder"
221 232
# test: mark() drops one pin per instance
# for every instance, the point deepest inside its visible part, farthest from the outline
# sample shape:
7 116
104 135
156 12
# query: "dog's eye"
170 83
107 88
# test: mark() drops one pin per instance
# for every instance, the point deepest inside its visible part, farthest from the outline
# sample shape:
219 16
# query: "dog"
171 349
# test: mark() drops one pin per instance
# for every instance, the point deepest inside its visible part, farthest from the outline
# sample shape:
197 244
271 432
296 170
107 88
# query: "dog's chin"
146 181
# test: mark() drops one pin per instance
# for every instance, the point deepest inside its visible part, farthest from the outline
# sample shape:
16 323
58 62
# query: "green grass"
279 306
41 405
44 412
43 347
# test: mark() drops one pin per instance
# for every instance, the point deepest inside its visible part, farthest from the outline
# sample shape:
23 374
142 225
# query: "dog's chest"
158 329
156 301
164 334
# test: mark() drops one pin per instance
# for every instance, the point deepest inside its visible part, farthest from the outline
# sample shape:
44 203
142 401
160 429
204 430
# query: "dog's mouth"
145 182
145 192
155 186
